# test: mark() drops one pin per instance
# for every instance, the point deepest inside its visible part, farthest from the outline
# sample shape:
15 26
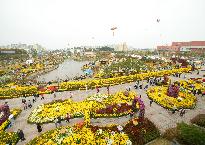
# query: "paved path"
162 118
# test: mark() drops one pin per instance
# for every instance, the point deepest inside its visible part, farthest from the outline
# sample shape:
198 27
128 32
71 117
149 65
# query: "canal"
68 69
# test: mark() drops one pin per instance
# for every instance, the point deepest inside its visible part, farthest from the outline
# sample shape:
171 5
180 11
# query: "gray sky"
55 23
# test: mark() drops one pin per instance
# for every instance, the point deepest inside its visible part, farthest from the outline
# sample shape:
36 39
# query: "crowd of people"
28 103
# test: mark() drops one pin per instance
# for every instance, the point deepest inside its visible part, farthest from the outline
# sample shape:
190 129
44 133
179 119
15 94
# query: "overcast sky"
57 23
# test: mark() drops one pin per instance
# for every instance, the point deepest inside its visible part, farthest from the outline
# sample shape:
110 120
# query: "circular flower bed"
159 95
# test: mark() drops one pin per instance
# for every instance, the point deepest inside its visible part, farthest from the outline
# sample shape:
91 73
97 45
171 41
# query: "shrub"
141 134
199 120
190 134
170 134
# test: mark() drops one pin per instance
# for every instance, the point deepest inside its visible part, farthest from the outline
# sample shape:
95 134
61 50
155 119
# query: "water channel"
68 69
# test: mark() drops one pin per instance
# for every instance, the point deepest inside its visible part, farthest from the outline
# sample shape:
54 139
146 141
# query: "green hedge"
190 134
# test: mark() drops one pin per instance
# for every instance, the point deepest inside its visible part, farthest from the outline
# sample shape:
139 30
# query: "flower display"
15 112
86 135
114 110
4 125
8 137
159 94
19 91
116 80
82 136
98 97
49 112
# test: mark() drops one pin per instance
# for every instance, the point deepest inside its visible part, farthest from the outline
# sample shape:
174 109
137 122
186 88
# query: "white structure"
29 61
121 47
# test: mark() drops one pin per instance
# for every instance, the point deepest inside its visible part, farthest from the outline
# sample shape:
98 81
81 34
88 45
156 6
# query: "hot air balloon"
158 20
113 30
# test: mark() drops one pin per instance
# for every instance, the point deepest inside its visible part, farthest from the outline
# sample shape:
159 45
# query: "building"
193 46
90 54
121 47
26 47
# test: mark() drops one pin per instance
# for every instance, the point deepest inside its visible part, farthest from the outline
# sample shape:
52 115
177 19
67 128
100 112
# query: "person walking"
129 88
54 94
197 72
35 97
146 87
108 90
140 86
34 100
68 117
174 109
25 106
42 96
59 121
182 112
97 89
184 76
21 135
29 104
39 128
11 119
150 103
136 86
71 95
23 100
56 122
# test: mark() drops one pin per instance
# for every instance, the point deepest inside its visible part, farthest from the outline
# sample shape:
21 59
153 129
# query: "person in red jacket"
97 89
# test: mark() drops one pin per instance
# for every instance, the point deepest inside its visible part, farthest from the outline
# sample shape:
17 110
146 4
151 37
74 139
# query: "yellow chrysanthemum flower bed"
159 95
8 137
48 112
81 136
15 112
117 80
19 91
4 125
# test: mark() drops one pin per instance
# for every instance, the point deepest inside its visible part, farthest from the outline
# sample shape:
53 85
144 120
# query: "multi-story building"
121 47
193 46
